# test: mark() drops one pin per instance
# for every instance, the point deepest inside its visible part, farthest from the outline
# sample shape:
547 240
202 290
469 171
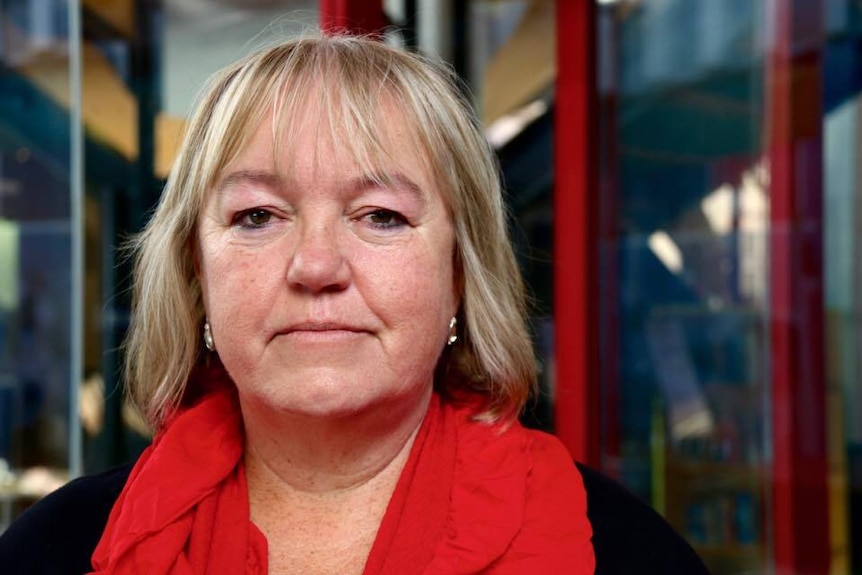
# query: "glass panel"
684 392
117 115
842 143
35 251
511 70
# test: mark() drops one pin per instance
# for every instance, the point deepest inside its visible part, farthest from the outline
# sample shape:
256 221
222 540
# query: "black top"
58 534
629 536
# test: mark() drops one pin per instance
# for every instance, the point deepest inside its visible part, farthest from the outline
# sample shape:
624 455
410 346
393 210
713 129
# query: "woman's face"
327 293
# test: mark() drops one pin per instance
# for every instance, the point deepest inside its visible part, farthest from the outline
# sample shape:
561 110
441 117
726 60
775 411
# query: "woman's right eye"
252 219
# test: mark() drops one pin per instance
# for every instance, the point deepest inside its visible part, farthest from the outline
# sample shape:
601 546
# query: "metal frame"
794 108
352 16
576 231
76 218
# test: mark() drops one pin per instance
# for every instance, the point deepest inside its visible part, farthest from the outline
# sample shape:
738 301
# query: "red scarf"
471 498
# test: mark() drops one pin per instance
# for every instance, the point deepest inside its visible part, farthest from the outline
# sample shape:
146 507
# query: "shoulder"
576 502
529 484
556 522
540 459
59 533
517 504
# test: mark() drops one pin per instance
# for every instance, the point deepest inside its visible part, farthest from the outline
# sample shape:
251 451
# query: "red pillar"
575 230
352 16
794 109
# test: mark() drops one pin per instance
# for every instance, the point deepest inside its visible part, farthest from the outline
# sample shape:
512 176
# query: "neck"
307 456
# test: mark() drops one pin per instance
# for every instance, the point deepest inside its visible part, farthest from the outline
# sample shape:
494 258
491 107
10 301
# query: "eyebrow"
267 179
360 183
387 180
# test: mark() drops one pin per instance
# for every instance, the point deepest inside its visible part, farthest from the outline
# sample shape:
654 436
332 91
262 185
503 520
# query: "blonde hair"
493 356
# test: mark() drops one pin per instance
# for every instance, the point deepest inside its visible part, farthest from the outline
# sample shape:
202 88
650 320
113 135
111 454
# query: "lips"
322 331
323 326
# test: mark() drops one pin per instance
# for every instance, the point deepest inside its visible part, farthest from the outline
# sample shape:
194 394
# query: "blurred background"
683 179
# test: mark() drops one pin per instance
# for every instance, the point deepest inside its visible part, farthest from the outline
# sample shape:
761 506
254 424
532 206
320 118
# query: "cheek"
420 288
234 285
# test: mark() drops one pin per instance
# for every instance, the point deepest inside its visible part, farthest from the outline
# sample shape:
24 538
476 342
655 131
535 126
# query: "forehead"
326 135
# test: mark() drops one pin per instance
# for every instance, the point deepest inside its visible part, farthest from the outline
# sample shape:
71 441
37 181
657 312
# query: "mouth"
322 331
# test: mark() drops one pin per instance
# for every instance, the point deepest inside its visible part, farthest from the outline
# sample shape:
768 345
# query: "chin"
327 407
318 400
333 393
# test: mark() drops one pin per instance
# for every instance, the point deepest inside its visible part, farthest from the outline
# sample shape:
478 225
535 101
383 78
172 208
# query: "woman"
329 339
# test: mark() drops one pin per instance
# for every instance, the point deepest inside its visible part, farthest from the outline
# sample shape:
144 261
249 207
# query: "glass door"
37 259
683 270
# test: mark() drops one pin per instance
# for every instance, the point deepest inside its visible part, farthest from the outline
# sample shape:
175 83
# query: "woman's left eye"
253 219
385 219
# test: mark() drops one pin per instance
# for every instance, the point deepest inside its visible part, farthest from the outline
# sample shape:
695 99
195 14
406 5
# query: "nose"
318 263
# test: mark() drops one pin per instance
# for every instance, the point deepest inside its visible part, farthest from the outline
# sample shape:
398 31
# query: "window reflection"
684 389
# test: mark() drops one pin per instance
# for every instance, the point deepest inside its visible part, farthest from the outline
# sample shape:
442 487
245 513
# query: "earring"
453 331
208 337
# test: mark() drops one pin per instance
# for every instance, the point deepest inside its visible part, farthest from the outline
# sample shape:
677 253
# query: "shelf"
733 551
703 476
701 468
717 505
699 309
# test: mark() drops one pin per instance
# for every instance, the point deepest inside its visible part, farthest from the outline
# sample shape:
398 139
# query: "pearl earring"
208 337
453 331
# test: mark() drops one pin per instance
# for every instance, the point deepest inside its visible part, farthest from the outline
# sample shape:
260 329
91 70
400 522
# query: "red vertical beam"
794 127
352 16
575 223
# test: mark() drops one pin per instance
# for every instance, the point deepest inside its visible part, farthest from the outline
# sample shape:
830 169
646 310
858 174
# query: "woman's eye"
256 218
385 219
